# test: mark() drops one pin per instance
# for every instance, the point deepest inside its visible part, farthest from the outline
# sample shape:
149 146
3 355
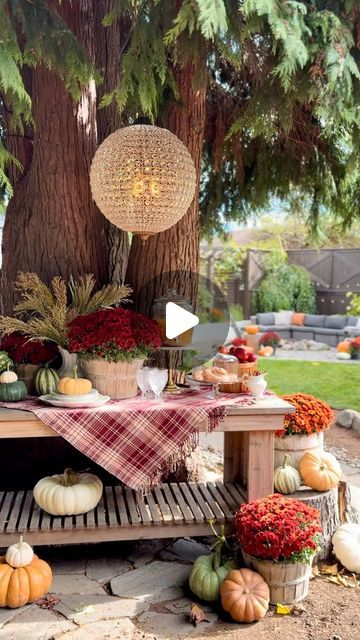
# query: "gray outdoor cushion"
312 320
335 322
326 331
352 321
296 330
265 318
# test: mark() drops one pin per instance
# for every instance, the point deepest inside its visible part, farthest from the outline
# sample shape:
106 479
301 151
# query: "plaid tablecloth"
136 440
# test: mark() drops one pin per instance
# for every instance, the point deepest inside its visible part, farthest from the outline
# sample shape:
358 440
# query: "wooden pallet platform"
172 510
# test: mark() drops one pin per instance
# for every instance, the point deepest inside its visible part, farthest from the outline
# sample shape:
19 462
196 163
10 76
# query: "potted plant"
302 431
279 537
270 339
112 345
44 313
28 355
355 348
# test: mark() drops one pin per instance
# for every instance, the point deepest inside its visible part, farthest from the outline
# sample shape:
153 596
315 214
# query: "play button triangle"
178 320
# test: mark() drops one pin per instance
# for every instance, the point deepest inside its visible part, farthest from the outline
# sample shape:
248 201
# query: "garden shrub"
285 286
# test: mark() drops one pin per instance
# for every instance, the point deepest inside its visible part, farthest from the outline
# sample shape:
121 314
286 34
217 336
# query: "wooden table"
176 509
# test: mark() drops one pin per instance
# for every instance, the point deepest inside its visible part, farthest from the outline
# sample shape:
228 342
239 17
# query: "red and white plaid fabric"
135 439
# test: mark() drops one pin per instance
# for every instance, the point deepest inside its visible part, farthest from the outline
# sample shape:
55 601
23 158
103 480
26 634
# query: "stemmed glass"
143 380
158 379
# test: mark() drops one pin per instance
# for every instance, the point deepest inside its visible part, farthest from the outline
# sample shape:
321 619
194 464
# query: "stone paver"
168 626
145 551
183 605
36 624
8 614
92 608
185 550
70 566
155 582
122 629
68 583
106 568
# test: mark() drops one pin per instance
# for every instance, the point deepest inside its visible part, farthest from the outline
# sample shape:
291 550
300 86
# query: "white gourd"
8 376
286 478
346 543
69 493
19 554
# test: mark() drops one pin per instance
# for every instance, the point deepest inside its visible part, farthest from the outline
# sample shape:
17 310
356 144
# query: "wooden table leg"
260 464
235 456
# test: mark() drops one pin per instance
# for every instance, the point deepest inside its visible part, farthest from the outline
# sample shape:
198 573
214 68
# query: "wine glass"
143 380
158 379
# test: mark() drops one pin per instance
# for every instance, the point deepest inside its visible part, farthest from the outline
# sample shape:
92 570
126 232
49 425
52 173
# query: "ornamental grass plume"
312 416
278 528
44 313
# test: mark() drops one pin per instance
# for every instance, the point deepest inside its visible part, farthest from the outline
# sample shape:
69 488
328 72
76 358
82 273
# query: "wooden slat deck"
119 516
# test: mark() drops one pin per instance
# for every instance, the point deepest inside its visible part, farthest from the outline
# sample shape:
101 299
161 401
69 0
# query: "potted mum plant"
304 430
270 339
112 345
355 348
28 355
279 537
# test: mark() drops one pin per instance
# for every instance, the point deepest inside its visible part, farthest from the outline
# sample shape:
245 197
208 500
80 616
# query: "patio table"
169 510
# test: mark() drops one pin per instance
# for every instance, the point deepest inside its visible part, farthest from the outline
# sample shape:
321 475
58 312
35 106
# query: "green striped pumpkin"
46 381
5 362
286 478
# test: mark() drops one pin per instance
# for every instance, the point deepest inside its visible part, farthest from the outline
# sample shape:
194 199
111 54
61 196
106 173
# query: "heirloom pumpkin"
346 542
320 471
207 575
46 381
68 493
344 346
19 554
286 478
245 595
21 585
74 386
13 391
266 351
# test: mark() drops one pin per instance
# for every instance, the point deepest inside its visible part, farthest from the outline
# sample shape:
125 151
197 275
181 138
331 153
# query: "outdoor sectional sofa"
322 328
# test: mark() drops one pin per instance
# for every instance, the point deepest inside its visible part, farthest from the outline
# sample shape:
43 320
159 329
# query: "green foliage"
354 307
228 262
236 312
285 286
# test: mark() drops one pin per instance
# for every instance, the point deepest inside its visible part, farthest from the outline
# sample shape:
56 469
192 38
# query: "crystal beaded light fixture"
143 179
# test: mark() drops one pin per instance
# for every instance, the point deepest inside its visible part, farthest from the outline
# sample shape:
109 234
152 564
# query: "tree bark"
107 60
52 225
177 249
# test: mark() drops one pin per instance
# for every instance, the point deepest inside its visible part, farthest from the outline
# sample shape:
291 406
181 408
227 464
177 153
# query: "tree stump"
327 504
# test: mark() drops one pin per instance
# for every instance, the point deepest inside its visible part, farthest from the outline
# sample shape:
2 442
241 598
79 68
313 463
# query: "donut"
215 374
198 375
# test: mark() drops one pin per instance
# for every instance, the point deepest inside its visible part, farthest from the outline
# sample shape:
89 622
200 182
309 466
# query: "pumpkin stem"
218 545
287 459
75 373
21 540
70 477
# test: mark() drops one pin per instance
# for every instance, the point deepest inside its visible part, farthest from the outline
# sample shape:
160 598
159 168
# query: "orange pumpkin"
266 351
320 471
344 346
252 329
24 584
245 595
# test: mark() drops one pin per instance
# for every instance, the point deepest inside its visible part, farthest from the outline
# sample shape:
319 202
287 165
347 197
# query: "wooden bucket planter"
117 380
296 446
287 582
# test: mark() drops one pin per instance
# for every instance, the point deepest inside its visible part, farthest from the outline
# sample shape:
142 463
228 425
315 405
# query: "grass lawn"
336 383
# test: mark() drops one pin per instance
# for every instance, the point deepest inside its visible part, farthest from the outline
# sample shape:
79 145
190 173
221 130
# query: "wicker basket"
287 582
117 380
239 387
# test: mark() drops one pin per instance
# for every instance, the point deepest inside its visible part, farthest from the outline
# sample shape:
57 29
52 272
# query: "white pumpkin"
69 493
346 542
8 376
342 355
286 478
19 554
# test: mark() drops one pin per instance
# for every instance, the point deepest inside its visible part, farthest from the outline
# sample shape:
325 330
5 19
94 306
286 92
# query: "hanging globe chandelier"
143 179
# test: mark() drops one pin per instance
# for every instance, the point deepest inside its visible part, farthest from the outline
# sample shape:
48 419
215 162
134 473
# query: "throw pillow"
298 319
282 318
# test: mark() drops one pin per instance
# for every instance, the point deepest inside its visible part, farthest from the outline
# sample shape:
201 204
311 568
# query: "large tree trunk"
52 225
176 249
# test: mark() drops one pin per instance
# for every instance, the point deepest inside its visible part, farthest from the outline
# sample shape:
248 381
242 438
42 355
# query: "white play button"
178 320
